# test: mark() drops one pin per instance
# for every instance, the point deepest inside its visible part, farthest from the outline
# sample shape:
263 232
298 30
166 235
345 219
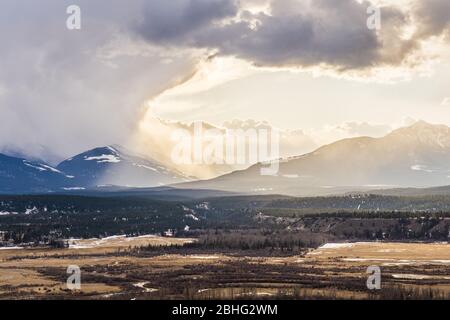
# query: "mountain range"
19 175
417 156
96 169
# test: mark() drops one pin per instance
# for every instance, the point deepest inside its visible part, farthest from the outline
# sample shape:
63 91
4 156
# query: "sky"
312 67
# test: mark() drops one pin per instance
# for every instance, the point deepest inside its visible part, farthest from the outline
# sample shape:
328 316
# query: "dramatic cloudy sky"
309 65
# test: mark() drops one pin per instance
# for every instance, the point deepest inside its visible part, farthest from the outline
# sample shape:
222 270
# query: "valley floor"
125 268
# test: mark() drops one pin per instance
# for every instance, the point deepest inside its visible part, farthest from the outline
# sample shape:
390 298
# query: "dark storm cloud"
433 17
295 32
177 20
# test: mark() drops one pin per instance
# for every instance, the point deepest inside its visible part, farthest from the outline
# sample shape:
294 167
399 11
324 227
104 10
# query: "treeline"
369 202
352 214
44 227
46 219
78 204
335 204
350 228
272 240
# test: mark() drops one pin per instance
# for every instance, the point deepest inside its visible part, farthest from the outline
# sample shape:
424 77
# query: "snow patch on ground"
398 262
418 276
202 257
336 245
346 245
142 286
140 237
6 213
97 242
31 211
365 259
192 217
441 261
203 290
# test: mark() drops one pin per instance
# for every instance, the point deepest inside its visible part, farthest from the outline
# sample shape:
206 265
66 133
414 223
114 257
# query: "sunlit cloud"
209 73
331 133
327 37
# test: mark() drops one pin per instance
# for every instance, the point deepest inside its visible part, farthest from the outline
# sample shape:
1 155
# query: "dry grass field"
114 268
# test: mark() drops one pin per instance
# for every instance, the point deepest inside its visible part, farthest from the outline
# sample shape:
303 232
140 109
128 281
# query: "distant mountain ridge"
116 166
415 156
97 168
21 175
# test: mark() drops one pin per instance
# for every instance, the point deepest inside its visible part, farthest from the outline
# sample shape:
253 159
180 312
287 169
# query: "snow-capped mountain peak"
424 133
115 165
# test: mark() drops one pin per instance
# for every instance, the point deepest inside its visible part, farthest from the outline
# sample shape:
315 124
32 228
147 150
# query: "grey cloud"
297 40
303 33
433 17
176 21
296 32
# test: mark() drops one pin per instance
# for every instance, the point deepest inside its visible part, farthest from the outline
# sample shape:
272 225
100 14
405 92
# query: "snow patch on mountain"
50 168
43 167
104 158
34 166
145 167
74 188
419 167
